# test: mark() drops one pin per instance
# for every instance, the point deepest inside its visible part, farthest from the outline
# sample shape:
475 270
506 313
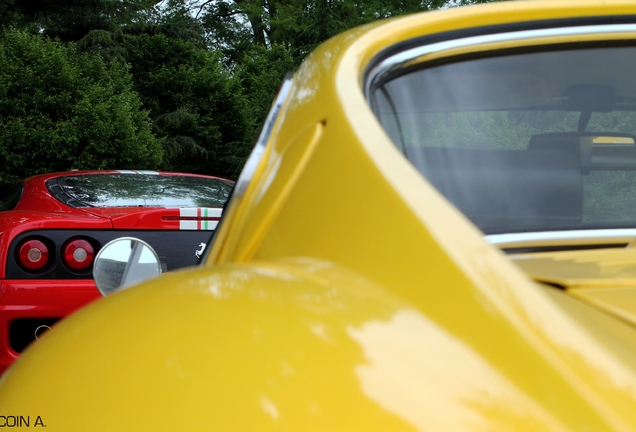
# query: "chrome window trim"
252 162
247 173
620 235
397 61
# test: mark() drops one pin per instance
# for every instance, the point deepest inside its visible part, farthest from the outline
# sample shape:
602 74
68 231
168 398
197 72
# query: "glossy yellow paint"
343 294
581 268
291 345
605 278
619 301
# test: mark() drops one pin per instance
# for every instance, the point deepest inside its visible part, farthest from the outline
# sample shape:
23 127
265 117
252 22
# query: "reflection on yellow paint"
434 381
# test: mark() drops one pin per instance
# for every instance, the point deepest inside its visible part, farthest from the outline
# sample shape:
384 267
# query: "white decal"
199 251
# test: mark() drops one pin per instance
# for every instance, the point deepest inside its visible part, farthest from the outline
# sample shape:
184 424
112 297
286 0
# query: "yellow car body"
344 292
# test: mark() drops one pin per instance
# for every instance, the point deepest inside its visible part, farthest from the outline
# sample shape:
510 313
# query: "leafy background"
144 84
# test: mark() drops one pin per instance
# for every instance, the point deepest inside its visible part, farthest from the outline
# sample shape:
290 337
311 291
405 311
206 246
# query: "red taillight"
78 254
33 254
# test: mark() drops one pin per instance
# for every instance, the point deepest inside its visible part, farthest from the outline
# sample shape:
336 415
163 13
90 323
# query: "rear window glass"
529 141
140 190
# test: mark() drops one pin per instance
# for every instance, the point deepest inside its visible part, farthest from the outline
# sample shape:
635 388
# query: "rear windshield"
140 190
528 142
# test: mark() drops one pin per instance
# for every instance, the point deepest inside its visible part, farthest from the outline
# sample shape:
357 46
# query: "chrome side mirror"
124 262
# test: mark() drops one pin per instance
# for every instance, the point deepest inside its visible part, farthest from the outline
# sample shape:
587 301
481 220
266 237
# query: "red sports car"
53 225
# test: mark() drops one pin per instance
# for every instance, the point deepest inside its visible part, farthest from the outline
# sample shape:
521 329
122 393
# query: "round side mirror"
124 262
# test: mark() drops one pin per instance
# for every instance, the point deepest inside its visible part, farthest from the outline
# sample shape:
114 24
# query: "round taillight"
33 254
78 254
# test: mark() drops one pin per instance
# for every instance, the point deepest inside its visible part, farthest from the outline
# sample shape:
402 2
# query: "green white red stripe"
200 218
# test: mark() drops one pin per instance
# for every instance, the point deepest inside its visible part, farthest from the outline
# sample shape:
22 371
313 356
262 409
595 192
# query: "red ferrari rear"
53 225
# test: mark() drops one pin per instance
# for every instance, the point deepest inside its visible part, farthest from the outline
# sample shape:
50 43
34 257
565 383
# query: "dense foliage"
173 84
62 110
197 108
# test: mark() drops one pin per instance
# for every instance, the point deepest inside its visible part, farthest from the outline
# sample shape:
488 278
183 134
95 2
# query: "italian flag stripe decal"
202 221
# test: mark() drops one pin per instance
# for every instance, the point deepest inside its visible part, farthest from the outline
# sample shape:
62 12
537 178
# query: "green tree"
7 13
260 73
71 20
197 107
61 110
297 25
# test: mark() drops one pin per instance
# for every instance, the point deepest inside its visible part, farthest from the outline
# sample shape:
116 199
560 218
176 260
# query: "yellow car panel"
344 292
311 346
605 278
582 268
618 301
